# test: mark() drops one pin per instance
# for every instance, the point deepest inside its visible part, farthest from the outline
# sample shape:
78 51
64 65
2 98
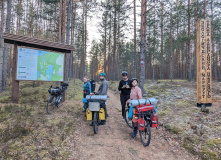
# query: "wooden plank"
203 53
15 84
208 64
11 38
64 77
197 55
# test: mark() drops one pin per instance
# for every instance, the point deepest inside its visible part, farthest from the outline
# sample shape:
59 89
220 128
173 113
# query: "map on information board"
35 64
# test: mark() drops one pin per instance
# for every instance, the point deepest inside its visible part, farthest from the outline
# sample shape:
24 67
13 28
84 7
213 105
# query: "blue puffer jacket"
87 87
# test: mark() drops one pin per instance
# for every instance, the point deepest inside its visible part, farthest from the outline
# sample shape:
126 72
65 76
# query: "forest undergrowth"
27 132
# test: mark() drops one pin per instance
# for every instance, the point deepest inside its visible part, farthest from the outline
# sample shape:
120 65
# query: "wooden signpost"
37 44
204 69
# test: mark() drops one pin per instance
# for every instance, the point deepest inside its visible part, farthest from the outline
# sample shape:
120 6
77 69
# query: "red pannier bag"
148 107
154 120
141 124
145 107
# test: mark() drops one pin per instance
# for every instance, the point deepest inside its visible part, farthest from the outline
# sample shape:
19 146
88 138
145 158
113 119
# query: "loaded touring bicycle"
143 113
95 111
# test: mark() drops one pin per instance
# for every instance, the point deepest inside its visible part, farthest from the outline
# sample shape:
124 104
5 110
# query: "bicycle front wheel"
50 104
95 122
145 135
127 120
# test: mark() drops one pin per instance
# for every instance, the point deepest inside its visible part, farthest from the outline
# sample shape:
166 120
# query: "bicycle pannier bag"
88 115
154 120
54 91
135 119
141 124
101 114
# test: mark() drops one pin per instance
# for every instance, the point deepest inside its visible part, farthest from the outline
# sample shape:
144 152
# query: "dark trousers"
123 100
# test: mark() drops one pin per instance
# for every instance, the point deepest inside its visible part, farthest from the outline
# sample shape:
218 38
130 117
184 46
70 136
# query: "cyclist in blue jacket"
87 90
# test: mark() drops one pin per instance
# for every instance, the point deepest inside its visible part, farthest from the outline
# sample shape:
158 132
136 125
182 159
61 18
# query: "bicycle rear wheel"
145 135
126 118
60 100
50 104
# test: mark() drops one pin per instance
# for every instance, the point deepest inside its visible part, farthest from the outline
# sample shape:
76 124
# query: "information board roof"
37 43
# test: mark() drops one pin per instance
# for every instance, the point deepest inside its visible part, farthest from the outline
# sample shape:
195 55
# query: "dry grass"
199 132
27 132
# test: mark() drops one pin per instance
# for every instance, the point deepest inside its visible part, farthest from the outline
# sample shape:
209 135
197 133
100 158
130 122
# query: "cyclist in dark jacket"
124 87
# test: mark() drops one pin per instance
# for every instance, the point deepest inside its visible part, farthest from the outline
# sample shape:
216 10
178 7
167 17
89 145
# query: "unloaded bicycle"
56 96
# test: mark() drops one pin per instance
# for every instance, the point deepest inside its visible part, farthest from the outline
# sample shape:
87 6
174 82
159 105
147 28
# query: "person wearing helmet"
103 86
102 90
124 87
135 94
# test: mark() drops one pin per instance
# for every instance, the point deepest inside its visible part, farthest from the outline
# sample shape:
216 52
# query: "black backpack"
93 85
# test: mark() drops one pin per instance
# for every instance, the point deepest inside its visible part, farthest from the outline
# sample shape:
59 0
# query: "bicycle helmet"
102 74
134 79
124 73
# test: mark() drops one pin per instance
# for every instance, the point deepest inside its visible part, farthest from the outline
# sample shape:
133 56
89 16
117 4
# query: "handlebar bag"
65 84
54 91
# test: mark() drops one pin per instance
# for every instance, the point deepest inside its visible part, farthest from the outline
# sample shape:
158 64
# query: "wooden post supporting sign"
15 83
204 70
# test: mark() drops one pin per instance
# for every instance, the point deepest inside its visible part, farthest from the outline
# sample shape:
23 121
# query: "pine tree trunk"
68 57
154 42
115 43
135 44
213 51
118 46
220 59
143 44
109 50
171 50
60 20
105 42
6 49
85 37
1 43
161 41
195 43
189 54
82 64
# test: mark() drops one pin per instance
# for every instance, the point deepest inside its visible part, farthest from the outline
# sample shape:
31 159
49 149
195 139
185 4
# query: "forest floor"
27 132
113 140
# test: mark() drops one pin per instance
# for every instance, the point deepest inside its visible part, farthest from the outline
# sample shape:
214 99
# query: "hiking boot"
130 122
132 137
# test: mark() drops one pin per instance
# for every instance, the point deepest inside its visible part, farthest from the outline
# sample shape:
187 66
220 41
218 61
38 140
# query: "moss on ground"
155 89
113 85
27 131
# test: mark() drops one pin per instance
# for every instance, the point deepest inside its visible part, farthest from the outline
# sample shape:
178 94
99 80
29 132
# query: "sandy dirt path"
113 140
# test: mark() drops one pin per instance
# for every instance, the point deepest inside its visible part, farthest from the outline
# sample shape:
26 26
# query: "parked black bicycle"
56 96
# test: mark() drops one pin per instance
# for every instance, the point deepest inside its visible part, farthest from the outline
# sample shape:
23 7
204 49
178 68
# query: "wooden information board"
204 69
